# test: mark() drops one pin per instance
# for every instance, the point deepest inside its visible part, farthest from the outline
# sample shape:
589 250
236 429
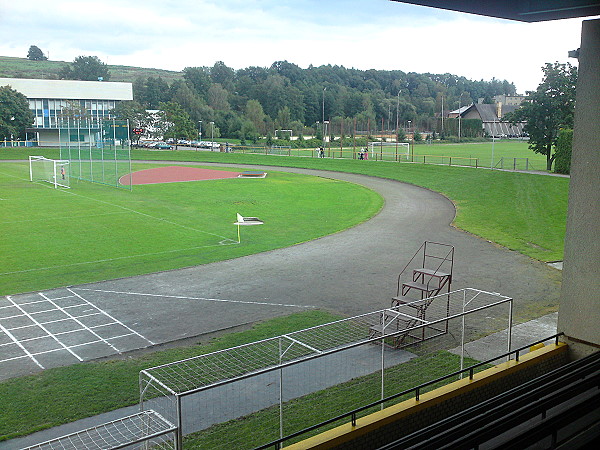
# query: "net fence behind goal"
53 171
389 151
99 150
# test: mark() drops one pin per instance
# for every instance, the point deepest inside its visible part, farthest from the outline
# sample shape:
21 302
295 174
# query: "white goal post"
401 150
53 171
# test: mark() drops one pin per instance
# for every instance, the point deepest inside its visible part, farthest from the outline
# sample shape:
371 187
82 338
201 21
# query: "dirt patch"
174 174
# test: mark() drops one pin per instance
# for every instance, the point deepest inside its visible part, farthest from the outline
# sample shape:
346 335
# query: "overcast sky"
363 34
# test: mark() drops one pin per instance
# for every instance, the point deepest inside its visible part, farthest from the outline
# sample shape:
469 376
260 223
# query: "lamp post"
413 142
212 134
323 110
397 114
199 133
325 123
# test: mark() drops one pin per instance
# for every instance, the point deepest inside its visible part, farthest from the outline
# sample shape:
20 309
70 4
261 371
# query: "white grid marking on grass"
41 325
182 297
111 317
16 342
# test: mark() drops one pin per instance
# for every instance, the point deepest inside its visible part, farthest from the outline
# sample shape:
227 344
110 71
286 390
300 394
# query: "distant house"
49 98
492 115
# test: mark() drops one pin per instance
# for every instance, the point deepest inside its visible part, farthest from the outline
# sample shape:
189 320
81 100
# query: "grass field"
508 154
523 212
90 232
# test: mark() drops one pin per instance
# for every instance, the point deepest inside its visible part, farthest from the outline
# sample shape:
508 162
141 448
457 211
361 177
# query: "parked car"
163 146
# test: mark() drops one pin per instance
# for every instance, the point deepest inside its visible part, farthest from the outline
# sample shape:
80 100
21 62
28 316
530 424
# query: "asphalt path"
350 272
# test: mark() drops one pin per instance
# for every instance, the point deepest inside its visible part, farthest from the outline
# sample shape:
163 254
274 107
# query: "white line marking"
46 219
117 259
27 354
111 317
181 297
81 324
44 328
150 216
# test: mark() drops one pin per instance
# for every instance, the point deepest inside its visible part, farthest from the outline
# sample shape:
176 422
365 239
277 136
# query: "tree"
35 54
15 115
548 109
256 115
86 68
564 145
176 122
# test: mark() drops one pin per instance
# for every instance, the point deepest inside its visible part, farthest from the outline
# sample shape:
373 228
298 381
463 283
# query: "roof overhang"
521 10
70 89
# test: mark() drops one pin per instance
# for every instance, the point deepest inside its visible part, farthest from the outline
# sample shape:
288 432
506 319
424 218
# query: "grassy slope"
11 67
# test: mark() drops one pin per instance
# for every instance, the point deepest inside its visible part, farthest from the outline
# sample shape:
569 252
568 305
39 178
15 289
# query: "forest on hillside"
256 101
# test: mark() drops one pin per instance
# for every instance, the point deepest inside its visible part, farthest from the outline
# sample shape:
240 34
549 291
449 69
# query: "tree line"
257 101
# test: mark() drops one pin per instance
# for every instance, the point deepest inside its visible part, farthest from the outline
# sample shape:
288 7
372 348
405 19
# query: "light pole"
199 133
323 110
413 142
397 114
212 134
325 123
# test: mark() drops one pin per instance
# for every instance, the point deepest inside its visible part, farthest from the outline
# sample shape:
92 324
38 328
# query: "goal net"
389 151
54 171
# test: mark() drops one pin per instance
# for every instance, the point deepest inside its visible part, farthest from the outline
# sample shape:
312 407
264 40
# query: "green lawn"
523 212
90 232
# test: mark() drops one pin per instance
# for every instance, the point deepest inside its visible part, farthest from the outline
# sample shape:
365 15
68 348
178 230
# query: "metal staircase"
428 274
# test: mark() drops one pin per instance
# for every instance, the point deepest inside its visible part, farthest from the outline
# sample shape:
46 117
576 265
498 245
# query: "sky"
361 34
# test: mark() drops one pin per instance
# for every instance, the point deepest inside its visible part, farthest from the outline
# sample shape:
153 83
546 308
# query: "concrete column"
579 309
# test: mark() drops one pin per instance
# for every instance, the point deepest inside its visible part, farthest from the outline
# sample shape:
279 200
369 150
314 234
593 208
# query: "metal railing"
352 415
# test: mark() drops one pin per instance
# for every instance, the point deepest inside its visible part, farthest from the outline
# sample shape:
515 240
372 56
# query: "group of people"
362 154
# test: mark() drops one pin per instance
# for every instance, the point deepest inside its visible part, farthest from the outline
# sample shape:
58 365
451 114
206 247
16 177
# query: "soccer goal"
54 171
389 151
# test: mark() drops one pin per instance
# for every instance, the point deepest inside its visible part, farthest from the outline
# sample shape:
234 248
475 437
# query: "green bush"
562 163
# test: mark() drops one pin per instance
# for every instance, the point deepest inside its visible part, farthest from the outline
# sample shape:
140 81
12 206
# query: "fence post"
179 432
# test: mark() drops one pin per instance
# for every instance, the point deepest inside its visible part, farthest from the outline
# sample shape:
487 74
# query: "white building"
47 98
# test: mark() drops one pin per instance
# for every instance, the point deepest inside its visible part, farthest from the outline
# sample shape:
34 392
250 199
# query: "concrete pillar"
579 309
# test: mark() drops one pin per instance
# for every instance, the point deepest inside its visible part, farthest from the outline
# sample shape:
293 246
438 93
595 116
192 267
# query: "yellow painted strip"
367 424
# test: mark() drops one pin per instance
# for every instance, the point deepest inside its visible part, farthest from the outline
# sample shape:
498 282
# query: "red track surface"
174 174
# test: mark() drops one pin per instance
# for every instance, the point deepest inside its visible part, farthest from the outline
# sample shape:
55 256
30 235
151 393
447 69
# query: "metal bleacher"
560 409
